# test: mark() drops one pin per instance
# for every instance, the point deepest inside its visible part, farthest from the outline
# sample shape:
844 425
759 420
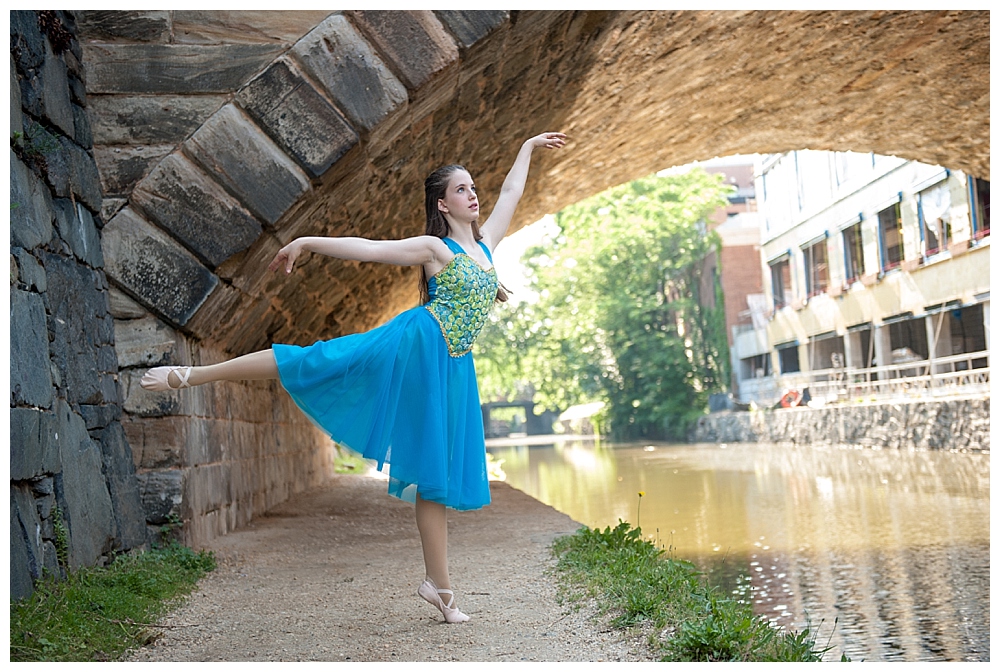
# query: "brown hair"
435 187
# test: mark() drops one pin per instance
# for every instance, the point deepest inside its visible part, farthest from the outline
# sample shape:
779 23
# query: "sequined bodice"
461 296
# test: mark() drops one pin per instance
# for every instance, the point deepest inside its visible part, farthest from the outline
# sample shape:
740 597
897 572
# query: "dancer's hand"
548 140
286 256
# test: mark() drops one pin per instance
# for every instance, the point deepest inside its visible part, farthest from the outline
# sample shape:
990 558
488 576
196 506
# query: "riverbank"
331 575
946 424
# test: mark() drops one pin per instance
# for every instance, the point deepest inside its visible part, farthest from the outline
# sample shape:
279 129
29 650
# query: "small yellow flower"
642 493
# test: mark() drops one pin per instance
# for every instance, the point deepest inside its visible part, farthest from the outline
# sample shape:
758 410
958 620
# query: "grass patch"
348 462
633 580
97 614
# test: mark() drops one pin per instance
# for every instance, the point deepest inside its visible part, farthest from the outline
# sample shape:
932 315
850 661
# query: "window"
934 207
817 269
781 282
854 266
788 358
981 207
890 229
758 366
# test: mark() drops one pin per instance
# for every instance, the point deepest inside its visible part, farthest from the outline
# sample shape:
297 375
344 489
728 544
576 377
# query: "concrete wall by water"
953 424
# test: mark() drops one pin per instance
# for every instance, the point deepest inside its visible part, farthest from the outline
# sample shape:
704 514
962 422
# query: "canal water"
884 553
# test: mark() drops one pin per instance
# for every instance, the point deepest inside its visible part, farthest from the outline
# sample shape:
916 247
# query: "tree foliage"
620 316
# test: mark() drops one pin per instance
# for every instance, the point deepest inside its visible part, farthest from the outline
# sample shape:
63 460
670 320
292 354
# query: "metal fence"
956 375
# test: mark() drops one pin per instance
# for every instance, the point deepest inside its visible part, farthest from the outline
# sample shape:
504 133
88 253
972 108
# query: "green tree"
620 317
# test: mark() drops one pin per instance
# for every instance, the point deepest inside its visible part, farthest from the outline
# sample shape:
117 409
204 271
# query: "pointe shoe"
156 379
432 594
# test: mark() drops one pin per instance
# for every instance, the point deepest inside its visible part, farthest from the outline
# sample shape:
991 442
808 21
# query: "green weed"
638 583
97 614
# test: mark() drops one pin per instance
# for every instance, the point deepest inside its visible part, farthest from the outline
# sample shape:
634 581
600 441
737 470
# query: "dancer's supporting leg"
432 523
258 365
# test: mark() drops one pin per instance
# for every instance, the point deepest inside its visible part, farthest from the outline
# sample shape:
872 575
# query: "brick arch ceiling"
220 136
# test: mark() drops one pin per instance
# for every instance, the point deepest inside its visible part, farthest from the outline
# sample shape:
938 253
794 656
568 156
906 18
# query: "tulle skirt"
395 395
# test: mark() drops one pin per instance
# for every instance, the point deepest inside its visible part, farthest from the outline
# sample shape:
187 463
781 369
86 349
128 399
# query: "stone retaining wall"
952 424
71 473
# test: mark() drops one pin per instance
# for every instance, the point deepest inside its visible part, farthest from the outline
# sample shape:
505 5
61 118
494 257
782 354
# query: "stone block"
133 26
27 43
110 207
100 416
31 273
162 494
149 120
185 201
150 266
76 311
21 580
53 92
30 380
200 449
81 128
174 68
31 211
361 85
146 342
26 560
415 42
207 488
16 116
71 171
34 449
470 26
76 226
215 26
83 492
123 488
121 168
298 118
124 307
144 403
244 160
159 443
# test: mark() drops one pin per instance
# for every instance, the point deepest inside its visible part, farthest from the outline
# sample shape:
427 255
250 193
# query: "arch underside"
329 128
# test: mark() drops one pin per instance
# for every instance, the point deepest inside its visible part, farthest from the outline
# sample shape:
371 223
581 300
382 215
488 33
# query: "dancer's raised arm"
495 227
413 251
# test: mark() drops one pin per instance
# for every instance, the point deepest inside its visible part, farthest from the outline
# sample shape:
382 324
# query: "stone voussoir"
337 57
415 42
470 26
182 199
144 261
248 163
298 118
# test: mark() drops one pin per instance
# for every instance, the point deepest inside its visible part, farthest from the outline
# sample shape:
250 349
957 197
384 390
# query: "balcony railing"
956 375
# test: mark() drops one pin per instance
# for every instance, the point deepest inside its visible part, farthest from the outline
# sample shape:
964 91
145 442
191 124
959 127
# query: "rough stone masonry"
74 497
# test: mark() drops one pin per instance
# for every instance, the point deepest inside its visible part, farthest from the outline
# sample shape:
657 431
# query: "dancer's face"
460 199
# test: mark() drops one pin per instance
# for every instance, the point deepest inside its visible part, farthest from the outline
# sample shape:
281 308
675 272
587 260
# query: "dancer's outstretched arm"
495 227
415 251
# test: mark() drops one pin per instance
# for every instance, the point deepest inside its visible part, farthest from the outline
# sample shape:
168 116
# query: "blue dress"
405 393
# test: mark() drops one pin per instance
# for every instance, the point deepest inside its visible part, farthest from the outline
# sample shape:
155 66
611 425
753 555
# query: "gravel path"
331 575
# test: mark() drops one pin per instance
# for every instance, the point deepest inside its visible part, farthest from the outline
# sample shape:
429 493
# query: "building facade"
876 281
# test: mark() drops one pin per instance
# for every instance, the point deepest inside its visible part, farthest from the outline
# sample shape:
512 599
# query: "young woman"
404 393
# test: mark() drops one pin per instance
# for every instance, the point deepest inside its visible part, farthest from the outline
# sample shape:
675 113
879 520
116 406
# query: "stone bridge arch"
220 136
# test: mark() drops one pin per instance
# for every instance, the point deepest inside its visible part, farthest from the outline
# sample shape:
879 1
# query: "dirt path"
331 575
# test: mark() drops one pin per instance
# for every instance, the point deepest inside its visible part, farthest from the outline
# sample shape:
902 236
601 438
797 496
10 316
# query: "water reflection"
894 545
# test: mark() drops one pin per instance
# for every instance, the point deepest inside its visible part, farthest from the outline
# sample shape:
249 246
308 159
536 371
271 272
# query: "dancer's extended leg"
255 366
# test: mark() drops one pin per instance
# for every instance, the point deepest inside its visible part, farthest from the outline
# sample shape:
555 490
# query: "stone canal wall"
952 424
74 497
